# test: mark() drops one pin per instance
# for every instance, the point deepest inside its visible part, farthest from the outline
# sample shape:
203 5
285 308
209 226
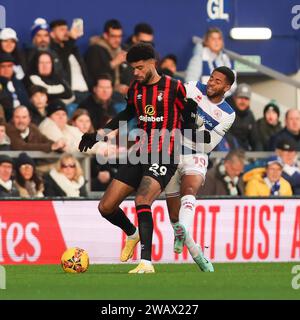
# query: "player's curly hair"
140 51
228 73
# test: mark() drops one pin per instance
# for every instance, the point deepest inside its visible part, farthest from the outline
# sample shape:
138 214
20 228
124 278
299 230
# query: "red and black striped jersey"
157 107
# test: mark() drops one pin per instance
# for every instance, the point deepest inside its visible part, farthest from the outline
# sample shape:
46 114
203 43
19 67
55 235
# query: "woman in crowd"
8 44
38 104
28 182
66 179
81 119
42 74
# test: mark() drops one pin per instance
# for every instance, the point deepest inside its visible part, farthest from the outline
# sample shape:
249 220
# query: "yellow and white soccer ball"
75 260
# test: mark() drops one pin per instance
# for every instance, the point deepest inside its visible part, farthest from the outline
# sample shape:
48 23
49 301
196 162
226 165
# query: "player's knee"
189 191
104 208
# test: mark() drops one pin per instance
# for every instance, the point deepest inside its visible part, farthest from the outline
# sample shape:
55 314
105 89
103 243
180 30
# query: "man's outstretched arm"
89 139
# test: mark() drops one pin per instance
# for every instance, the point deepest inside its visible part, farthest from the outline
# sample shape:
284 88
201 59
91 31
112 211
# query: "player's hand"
87 141
207 137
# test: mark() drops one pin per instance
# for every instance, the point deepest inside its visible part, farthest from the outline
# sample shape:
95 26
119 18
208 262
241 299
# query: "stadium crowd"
50 94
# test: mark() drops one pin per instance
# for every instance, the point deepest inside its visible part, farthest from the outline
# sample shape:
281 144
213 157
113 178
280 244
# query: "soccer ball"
75 260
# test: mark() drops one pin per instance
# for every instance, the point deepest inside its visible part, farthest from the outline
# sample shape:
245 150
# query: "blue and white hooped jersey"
216 118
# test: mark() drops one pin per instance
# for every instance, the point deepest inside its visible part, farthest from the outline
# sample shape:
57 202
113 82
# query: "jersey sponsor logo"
207 121
151 119
149 110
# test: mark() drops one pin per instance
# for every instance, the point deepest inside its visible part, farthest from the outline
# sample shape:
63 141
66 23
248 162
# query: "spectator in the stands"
101 174
242 128
207 56
143 32
55 126
6 102
225 178
4 138
267 126
38 104
42 74
66 179
63 42
14 87
105 55
286 151
81 119
100 104
8 44
168 65
26 136
40 36
28 182
7 185
290 131
270 182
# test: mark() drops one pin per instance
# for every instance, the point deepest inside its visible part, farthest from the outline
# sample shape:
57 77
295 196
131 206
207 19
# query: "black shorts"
132 174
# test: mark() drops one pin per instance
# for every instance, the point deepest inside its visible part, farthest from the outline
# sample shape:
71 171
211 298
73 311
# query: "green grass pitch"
171 281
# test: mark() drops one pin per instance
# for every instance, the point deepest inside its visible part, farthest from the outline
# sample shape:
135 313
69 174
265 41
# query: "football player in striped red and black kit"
157 102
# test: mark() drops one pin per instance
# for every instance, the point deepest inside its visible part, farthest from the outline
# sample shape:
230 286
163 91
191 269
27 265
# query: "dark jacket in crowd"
52 80
284 134
35 141
31 52
294 180
242 129
215 184
264 131
98 57
6 101
36 117
63 54
99 112
7 97
12 193
228 143
52 189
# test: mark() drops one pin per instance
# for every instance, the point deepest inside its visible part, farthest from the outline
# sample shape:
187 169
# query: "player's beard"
148 77
216 94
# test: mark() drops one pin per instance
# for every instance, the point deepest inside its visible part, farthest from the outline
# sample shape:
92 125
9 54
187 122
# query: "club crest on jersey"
217 113
160 96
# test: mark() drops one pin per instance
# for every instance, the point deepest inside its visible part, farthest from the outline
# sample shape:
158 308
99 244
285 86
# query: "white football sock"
146 262
187 211
194 250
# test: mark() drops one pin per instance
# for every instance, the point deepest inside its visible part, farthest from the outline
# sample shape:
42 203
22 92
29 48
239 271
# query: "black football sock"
119 219
145 230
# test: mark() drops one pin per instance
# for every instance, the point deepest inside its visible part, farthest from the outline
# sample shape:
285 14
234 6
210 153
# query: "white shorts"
190 164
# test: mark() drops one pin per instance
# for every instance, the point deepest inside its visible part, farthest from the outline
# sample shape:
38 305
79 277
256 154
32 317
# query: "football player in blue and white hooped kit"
213 115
